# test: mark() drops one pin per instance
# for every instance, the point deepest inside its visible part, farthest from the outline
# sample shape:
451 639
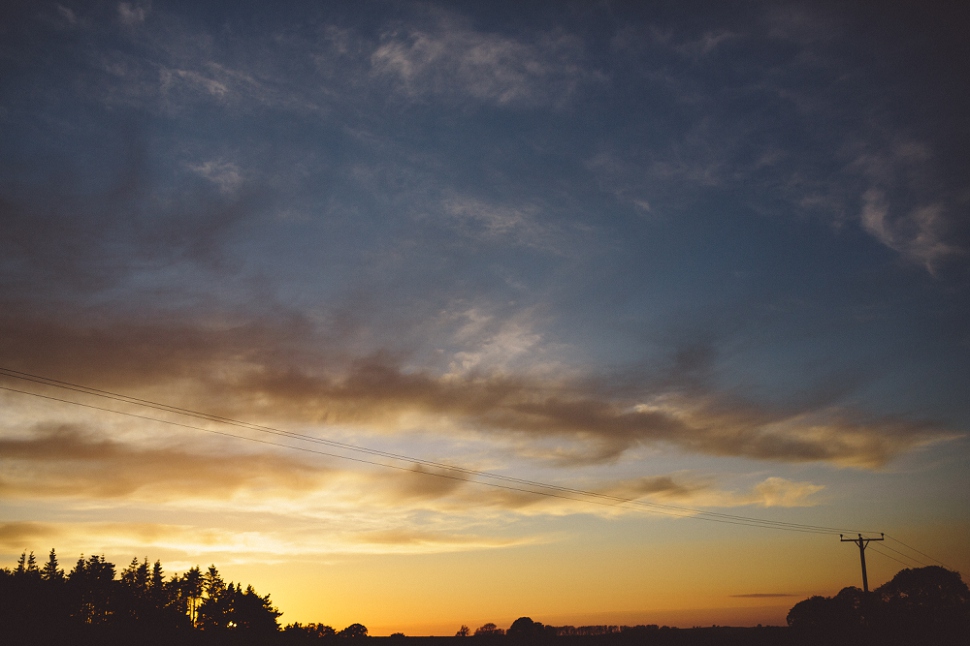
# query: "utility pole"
862 543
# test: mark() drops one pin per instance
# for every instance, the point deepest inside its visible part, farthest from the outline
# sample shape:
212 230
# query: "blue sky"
711 253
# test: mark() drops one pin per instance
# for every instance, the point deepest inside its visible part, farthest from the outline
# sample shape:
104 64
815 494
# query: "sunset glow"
423 314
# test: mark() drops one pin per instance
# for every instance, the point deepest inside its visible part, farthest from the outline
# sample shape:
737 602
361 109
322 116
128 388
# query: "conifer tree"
52 571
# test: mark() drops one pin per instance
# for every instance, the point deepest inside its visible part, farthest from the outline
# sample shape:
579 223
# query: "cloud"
67 15
211 86
181 546
64 461
165 540
450 60
14 535
224 174
424 483
771 492
60 231
762 595
920 234
132 14
483 220
706 43
778 492
410 539
260 370
654 486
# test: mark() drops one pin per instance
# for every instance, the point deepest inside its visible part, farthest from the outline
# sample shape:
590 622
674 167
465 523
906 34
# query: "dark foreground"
92 606
713 636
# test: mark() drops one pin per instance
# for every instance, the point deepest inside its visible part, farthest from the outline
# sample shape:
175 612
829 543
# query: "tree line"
94 603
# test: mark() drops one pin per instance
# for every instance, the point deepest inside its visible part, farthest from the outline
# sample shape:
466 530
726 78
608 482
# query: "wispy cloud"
133 13
224 174
921 234
448 59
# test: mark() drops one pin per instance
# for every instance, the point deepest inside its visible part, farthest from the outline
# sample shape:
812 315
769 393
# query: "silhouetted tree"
488 630
463 631
216 606
27 566
924 601
91 606
190 593
91 584
162 597
922 605
837 619
309 632
354 631
254 613
52 571
524 629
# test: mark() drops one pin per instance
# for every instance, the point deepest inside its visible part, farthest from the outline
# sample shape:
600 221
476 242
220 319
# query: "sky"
705 257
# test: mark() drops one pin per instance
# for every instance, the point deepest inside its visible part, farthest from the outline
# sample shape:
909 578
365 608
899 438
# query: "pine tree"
190 589
157 582
51 571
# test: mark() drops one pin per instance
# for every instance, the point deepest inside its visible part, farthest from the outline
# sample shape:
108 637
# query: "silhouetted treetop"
353 631
488 630
917 606
45 606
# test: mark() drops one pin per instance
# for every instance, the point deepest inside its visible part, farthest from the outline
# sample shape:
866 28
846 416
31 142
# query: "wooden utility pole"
862 543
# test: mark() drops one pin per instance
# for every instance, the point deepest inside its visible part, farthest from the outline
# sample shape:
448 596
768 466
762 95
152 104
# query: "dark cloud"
762 595
423 483
62 235
663 486
16 534
65 461
260 371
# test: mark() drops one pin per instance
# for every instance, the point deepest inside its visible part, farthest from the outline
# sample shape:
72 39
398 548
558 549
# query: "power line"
286 446
906 556
892 558
550 490
613 500
617 501
893 538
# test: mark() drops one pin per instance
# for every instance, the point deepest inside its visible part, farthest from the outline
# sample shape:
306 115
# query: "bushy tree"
353 631
924 601
309 632
254 613
922 605
488 630
524 629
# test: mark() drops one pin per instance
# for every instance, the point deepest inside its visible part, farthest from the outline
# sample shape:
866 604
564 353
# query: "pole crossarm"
862 543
